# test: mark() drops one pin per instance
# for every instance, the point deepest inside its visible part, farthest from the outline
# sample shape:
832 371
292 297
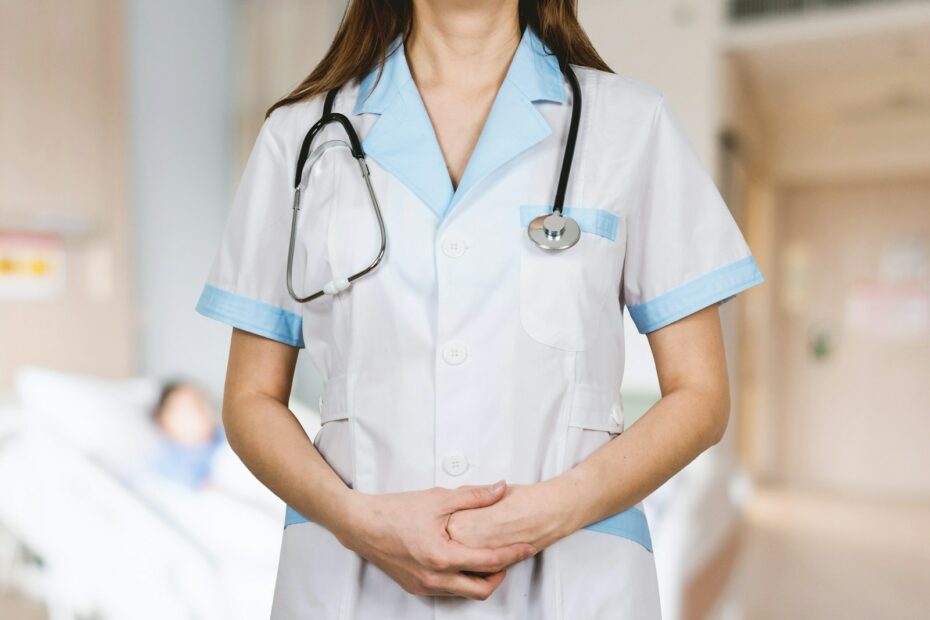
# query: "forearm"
678 428
273 445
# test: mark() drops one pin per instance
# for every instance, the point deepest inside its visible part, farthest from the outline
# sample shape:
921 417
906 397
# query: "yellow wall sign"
32 266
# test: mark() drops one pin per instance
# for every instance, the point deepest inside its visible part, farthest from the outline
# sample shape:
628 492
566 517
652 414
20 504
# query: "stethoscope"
552 231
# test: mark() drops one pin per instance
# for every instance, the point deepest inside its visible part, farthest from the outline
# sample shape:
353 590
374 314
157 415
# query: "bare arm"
267 436
403 533
690 417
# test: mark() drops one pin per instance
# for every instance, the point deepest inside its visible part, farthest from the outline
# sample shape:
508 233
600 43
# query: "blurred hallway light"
752 9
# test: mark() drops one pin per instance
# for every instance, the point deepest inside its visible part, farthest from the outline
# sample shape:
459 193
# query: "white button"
454 352
455 464
616 412
453 247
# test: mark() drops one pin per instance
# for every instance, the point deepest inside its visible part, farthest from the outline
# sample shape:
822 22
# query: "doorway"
853 322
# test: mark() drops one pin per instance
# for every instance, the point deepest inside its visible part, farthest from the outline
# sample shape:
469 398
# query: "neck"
466 43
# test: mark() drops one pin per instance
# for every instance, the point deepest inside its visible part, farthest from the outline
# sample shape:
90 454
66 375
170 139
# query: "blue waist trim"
630 523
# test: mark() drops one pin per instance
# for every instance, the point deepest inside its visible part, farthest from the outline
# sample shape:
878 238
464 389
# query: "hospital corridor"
126 128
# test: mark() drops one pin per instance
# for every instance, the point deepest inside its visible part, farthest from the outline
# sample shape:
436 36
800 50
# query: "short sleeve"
246 286
684 250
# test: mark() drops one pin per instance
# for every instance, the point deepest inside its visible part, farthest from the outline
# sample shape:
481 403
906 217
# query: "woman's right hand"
404 534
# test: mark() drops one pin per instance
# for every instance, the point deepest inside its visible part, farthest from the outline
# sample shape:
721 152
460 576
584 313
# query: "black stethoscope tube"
552 232
570 141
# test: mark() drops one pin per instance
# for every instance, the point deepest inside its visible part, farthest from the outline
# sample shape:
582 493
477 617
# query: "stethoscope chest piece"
554 231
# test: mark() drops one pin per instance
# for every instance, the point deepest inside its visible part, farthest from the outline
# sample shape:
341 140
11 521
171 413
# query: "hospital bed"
114 541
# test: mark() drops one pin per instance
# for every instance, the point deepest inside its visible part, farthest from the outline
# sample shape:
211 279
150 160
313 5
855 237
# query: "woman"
470 356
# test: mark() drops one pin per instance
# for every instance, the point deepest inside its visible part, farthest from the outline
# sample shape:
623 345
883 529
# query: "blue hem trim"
597 221
291 517
716 286
252 316
630 523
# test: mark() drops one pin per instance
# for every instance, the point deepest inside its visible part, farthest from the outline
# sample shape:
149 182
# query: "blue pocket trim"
629 524
715 286
252 315
597 221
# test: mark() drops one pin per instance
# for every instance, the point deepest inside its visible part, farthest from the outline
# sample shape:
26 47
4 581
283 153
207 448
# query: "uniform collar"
402 139
534 70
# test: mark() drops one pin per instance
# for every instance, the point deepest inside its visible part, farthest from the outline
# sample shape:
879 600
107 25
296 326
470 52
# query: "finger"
475 496
462 557
470 586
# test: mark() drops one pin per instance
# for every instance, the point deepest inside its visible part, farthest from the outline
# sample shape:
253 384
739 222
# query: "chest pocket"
562 291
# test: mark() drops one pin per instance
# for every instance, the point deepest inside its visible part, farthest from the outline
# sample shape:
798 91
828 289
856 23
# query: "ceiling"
843 103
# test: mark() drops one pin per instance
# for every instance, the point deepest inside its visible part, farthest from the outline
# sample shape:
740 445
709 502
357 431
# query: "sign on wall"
32 266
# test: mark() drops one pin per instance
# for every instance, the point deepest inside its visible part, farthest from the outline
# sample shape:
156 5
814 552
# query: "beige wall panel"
854 265
63 155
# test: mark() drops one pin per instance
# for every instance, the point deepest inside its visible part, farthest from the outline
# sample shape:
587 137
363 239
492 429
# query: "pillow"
108 419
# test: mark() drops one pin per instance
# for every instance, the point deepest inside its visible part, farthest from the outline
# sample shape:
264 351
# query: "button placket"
454 352
452 465
455 464
454 248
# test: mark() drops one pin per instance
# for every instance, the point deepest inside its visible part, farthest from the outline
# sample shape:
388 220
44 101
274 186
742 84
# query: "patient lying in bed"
191 453
190 434
160 513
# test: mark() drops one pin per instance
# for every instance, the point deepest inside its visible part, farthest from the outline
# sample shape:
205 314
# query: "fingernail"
497 486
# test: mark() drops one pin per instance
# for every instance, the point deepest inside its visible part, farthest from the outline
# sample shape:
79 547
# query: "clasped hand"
455 542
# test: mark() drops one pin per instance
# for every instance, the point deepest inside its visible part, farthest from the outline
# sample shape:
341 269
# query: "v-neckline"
405 143
435 133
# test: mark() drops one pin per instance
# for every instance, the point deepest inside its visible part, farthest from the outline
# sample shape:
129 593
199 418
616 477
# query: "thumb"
476 496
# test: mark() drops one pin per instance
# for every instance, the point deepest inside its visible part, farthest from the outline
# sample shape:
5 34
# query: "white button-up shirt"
469 354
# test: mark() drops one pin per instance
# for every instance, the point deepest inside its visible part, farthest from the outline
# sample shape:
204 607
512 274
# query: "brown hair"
368 27
167 389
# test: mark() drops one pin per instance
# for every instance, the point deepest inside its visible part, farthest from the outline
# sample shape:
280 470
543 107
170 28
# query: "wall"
181 98
835 98
203 75
63 158
855 267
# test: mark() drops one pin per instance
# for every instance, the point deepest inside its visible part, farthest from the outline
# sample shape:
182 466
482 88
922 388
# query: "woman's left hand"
538 514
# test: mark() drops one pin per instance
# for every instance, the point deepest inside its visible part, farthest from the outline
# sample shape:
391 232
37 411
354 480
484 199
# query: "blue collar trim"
402 140
534 70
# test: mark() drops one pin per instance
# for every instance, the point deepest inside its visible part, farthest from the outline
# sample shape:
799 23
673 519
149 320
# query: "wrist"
346 521
575 495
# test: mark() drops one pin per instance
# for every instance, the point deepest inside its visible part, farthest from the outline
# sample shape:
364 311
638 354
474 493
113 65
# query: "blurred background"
124 126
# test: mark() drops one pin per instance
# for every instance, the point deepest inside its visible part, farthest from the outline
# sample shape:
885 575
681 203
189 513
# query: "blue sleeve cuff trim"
252 316
597 221
713 287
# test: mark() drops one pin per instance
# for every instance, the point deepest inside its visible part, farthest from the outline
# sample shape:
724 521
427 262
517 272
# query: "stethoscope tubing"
305 156
569 154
